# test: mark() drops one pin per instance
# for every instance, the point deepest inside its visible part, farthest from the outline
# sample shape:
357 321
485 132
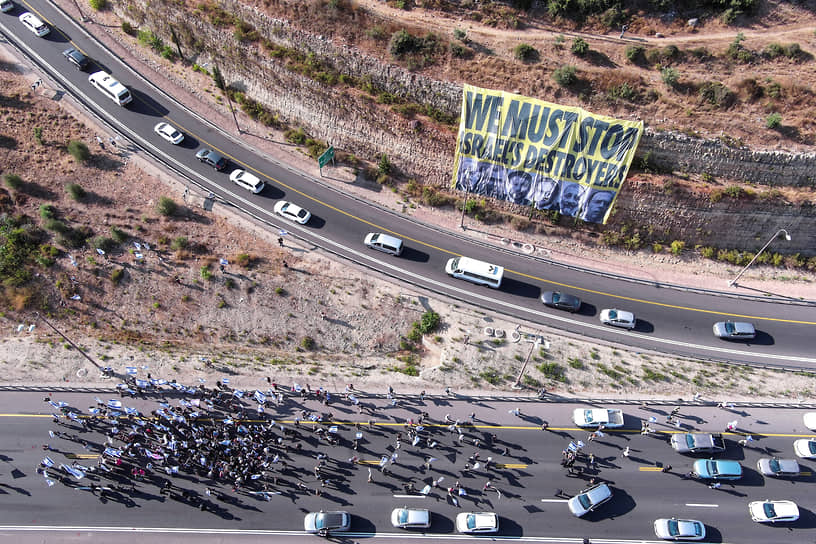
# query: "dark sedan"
562 301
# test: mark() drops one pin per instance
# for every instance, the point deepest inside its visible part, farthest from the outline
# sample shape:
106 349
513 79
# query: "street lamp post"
537 343
733 282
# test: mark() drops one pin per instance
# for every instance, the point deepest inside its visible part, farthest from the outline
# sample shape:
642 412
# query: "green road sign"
327 156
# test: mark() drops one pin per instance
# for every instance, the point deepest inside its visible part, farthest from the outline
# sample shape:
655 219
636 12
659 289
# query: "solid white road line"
410 496
702 505
554 500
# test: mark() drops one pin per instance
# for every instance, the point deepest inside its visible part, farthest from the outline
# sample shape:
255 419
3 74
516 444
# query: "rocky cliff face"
350 120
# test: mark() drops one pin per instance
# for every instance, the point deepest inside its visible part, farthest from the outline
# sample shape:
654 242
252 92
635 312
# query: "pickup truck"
698 443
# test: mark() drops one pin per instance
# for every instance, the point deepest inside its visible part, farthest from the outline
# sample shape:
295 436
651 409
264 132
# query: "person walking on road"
625 452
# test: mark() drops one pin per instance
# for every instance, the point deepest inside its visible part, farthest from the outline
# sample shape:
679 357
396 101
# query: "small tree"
13 181
579 47
773 120
98 5
565 75
525 53
167 206
669 76
384 166
76 191
79 151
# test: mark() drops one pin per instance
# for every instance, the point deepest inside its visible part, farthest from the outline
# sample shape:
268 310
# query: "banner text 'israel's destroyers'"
535 153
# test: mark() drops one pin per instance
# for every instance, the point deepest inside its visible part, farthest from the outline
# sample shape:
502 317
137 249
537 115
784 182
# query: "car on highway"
292 212
589 499
731 330
7 6
247 180
169 133
411 518
477 522
697 443
618 318
212 158
717 469
810 420
593 417
384 242
773 511
324 523
773 466
562 301
77 58
805 448
679 529
34 24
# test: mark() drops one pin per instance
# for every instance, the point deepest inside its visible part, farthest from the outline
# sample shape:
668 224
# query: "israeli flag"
223 261
48 462
415 441
238 393
131 411
383 461
254 476
580 444
138 256
100 251
73 260
260 397
78 474
76 297
572 446
297 387
131 370
225 381
358 436
333 429
58 405
137 245
185 403
242 429
146 245
142 383
202 380
228 421
426 490
49 482
190 390
196 402
112 452
72 416
225 443
159 382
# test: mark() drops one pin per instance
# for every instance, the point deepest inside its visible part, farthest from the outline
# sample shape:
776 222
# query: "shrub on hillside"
78 150
565 75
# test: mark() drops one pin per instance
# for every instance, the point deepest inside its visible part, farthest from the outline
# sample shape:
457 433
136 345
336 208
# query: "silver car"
778 467
679 529
411 518
589 499
323 523
734 330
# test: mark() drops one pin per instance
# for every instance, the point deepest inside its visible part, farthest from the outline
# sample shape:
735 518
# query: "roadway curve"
671 320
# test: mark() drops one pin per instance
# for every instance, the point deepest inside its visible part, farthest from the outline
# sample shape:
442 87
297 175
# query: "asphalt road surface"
668 320
525 472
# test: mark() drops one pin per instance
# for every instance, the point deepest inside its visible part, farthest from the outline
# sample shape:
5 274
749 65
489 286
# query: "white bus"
110 87
465 268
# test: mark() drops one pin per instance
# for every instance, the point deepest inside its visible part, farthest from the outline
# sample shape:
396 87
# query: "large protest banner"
535 153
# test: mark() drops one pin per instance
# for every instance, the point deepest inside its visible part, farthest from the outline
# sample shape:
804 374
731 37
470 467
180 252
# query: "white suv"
247 180
34 24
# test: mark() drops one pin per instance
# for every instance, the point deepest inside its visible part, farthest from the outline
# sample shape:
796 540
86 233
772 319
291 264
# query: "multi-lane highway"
669 320
529 486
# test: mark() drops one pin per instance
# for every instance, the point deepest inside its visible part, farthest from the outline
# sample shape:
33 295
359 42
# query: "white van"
247 180
383 242
110 87
465 268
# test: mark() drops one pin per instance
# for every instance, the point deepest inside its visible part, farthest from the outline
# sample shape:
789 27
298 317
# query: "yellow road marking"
650 469
366 462
81 455
511 465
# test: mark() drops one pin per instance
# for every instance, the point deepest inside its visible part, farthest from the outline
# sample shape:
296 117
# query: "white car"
169 133
810 420
805 448
773 511
34 24
292 212
593 417
477 522
324 523
618 318
6 6
247 180
679 529
411 518
589 499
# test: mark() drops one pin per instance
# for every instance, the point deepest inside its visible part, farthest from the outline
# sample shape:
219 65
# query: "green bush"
78 150
308 343
47 211
117 275
38 137
677 247
119 235
402 43
579 47
657 248
206 273
773 120
708 252
149 39
75 191
525 53
670 76
559 41
460 34
104 243
13 181
717 94
430 322
168 53
793 51
167 206
127 28
384 166
98 5
565 75
635 54
773 50
179 243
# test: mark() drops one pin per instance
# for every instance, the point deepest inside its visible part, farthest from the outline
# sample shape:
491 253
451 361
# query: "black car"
212 158
78 59
562 301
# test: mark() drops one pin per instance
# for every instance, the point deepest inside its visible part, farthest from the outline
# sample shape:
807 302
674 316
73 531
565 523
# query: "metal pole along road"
733 282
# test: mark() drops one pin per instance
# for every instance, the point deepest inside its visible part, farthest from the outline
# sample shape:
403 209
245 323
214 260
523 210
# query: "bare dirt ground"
252 322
